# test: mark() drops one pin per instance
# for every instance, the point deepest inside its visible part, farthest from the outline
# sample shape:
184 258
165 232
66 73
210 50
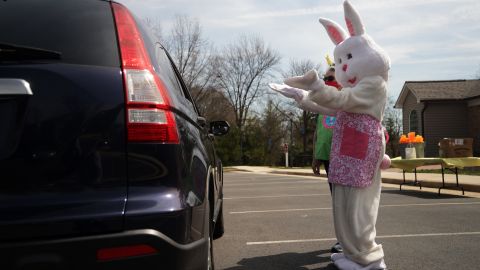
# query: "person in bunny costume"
358 146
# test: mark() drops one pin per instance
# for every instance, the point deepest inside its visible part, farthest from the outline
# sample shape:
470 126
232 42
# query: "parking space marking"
329 208
282 175
294 187
273 177
428 204
277 196
272 183
378 237
280 210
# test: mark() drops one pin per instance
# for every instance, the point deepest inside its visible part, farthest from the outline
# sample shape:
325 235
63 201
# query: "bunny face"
357 56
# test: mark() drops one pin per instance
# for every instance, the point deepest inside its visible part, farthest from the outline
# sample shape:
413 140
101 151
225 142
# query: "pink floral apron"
356 149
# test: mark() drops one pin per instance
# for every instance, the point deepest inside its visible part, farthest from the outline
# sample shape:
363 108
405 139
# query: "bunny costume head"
356 56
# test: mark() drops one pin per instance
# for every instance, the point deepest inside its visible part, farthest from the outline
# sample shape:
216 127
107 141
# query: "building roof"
439 90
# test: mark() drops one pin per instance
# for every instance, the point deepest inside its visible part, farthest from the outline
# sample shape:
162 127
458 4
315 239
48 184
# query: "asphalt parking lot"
285 222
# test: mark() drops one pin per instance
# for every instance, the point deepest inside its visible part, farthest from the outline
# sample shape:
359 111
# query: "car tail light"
149 115
115 253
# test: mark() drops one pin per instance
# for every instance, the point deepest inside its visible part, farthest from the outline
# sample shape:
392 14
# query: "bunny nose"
344 67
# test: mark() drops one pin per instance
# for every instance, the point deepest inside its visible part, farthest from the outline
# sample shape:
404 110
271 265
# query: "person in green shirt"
323 140
323 134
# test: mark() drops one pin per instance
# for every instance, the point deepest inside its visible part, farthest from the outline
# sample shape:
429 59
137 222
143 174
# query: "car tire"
210 263
219 227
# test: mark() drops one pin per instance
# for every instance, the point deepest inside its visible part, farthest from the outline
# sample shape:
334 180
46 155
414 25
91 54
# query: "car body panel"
72 183
67 173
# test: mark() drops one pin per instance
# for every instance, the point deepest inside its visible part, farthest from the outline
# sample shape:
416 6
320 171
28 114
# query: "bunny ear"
335 31
354 23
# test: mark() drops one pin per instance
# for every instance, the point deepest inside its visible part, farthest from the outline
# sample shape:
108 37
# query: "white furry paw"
337 256
309 81
290 92
386 162
346 264
377 265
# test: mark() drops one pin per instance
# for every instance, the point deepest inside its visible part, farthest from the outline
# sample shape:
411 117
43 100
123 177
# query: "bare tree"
215 106
272 126
298 68
243 70
155 26
192 54
392 121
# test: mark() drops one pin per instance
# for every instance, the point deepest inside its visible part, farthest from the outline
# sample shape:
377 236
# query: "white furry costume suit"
358 145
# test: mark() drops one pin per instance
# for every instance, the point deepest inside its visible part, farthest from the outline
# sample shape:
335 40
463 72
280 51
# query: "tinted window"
181 85
166 72
183 88
82 31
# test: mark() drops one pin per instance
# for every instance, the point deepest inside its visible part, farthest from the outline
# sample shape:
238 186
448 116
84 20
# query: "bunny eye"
339 60
349 56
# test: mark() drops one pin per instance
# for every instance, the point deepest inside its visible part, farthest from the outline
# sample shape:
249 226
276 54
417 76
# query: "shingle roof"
439 90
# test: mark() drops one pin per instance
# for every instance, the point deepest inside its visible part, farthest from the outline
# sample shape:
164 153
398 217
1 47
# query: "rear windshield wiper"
12 52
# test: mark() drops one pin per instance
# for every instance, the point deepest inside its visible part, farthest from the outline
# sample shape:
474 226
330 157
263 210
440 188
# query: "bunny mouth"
352 81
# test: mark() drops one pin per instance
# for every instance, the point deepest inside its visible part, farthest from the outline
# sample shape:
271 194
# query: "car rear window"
82 31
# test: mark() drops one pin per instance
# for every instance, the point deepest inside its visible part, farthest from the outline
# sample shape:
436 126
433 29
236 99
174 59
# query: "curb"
424 183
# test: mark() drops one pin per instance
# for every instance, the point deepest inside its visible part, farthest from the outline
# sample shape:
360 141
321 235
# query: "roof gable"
439 90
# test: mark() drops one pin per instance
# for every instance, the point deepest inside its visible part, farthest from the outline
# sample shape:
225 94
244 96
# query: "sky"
425 39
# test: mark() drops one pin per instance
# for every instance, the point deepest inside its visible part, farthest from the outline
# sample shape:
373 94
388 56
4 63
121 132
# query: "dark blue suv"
105 162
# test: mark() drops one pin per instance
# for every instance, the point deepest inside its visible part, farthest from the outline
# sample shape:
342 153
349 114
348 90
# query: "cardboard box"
455 147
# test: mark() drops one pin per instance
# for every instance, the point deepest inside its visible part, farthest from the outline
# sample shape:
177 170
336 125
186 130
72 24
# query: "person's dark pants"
326 164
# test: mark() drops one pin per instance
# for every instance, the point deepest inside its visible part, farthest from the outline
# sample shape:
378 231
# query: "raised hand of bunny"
288 91
310 81
299 96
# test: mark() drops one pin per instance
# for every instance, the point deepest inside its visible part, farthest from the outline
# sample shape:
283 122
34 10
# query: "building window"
413 120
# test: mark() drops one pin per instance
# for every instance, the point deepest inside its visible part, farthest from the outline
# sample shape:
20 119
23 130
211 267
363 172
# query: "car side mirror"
219 128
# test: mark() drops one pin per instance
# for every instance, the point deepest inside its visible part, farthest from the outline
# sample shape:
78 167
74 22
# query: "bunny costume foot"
346 264
343 263
337 256
358 144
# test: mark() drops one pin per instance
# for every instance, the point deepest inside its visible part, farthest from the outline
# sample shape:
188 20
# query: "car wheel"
210 261
210 254
219 227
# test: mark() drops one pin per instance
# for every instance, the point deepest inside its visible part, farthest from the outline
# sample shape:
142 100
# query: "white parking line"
277 196
378 237
427 204
261 175
273 183
329 208
249 188
280 210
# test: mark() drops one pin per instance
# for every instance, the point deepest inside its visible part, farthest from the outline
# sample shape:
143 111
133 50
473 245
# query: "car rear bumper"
82 252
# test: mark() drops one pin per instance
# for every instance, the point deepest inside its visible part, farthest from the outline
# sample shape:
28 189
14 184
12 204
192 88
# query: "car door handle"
14 87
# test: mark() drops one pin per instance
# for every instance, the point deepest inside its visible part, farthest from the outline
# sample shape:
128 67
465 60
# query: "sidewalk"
470 183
